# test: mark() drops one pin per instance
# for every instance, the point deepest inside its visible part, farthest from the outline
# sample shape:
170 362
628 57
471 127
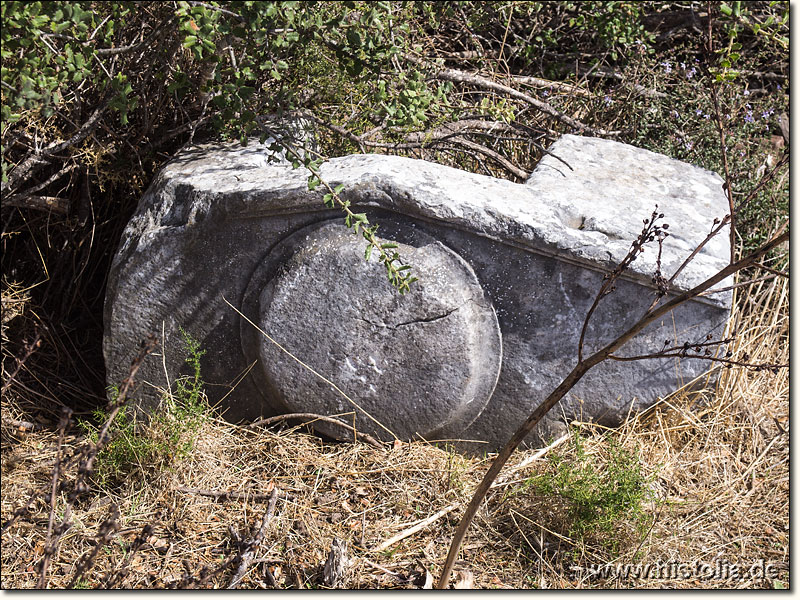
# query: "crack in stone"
414 321
430 319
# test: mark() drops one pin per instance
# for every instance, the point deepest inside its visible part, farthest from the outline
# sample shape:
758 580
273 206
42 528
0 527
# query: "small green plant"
82 584
598 498
457 467
167 438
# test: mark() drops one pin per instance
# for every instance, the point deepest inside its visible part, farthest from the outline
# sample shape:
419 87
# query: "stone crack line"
414 321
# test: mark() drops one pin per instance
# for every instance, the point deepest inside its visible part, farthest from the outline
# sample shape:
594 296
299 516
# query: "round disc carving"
423 364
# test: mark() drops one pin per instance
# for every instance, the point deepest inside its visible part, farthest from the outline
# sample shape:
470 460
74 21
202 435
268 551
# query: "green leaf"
368 252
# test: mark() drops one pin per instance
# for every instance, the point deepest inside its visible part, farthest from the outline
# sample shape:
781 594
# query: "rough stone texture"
215 224
423 365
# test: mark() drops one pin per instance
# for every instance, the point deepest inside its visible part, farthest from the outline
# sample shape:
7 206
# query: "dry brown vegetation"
717 460
720 461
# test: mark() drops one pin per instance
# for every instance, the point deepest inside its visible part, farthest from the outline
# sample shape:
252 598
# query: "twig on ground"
532 458
23 426
415 528
226 495
309 418
251 546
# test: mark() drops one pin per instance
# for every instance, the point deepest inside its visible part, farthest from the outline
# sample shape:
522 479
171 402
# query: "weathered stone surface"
223 222
423 365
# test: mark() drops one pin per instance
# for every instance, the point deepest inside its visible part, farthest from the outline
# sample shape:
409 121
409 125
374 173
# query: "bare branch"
569 382
309 418
717 359
477 80
252 545
23 170
494 156
554 85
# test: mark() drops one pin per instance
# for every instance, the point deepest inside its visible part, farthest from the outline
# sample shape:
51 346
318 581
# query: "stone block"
507 273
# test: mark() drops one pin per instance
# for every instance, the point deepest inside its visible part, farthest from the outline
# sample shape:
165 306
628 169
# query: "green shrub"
168 437
597 496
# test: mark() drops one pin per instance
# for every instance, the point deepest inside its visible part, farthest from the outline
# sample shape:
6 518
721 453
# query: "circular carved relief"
420 364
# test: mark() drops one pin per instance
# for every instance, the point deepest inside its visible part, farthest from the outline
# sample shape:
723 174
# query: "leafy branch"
398 272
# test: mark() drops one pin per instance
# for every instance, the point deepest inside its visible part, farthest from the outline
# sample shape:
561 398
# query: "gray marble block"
507 273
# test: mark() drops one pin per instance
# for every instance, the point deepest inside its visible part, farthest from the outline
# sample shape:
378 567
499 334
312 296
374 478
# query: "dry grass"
720 461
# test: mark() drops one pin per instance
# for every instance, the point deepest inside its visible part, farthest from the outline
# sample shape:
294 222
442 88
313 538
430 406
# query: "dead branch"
310 418
569 382
45 203
414 528
226 495
251 546
553 85
460 127
771 270
30 348
681 354
478 81
649 230
638 89
89 454
23 171
744 283
488 152
22 426
51 544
